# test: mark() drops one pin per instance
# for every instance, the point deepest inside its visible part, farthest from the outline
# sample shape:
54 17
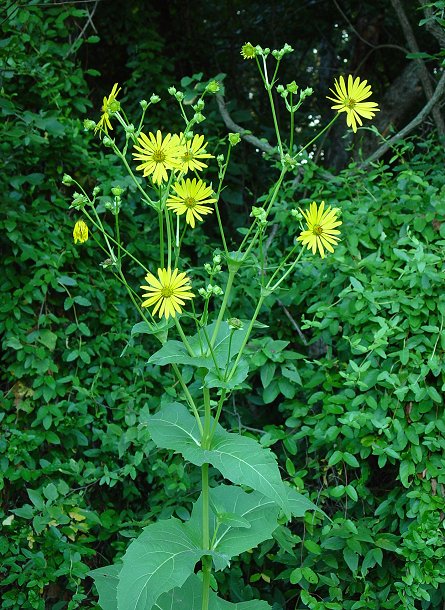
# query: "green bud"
155 99
234 139
117 191
292 87
235 324
172 90
67 180
306 93
199 118
217 259
107 141
220 159
208 267
280 89
89 125
129 129
79 201
96 191
179 96
217 291
213 86
287 49
143 104
259 213
296 214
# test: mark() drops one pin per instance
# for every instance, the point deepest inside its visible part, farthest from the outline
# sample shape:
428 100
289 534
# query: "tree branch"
440 88
431 25
423 72
244 133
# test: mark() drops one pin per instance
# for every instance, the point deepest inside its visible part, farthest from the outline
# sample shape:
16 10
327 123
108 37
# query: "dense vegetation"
350 371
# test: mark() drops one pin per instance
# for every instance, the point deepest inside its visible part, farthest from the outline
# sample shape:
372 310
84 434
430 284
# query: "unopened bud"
235 324
117 191
155 99
143 104
96 191
67 180
234 139
213 86
292 87
89 125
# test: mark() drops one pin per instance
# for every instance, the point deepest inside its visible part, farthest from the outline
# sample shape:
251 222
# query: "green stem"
189 397
318 135
161 239
183 337
222 311
218 412
206 562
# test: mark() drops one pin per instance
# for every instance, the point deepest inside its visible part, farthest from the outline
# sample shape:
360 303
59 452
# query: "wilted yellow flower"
248 51
350 100
157 155
109 104
321 232
192 197
192 153
167 293
80 232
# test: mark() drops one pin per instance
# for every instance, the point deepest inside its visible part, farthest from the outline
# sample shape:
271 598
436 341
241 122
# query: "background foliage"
349 378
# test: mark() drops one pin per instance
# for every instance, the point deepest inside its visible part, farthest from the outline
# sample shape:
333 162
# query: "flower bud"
235 324
248 51
107 141
306 92
208 267
217 291
155 99
199 118
89 125
202 292
199 106
172 90
67 180
217 259
280 89
213 86
143 104
296 214
79 201
96 191
259 213
129 129
179 96
117 191
234 139
292 87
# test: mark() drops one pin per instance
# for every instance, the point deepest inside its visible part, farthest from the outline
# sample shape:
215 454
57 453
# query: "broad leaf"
227 345
189 597
299 504
106 580
240 459
245 520
160 559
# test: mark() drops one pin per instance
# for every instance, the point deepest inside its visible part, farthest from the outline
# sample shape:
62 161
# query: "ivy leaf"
240 459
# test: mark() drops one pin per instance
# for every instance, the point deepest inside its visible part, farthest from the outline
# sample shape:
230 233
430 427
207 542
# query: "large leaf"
241 521
299 504
106 581
240 459
189 597
160 559
224 349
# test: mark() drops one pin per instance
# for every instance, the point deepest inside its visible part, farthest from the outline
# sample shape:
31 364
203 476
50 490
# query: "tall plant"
157 570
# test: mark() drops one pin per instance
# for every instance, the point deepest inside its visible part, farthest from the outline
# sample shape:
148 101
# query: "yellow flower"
80 232
248 51
192 197
192 151
321 232
350 100
109 104
157 155
167 293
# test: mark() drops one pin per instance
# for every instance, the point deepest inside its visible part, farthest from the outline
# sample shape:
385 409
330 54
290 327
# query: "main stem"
206 560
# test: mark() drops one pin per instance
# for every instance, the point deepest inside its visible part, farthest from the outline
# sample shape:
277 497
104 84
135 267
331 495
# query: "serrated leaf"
240 459
259 513
160 559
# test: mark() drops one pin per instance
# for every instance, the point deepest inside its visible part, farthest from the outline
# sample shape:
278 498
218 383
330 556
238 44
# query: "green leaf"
309 575
254 520
189 597
160 559
267 373
215 380
299 504
106 580
240 459
48 339
351 559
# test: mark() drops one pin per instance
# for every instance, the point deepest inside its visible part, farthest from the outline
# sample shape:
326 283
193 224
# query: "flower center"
188 156
159 156
166 292
317 230
189 202
350 102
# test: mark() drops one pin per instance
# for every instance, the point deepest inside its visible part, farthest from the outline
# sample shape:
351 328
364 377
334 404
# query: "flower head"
350 99
192 152
167 293
192 198
157 155
248 51
110 104
321 229
80 232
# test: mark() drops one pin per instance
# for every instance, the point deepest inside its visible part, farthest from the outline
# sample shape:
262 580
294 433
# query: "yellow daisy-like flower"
167 293
109 104
80 232
192 153
248 51
350 99
192 198
157 155
321 229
